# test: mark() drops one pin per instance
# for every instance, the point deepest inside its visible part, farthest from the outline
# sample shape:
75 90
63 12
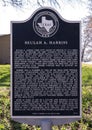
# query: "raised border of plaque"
36 120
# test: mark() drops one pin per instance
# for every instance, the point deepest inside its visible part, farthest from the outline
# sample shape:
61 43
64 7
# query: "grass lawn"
87 74
4 75
84 124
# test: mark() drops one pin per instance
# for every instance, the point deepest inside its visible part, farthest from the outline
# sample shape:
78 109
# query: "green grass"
4 75
87 74
84 124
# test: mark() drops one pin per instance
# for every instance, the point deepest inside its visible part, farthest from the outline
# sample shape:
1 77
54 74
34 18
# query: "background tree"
86 46
20 3
87 35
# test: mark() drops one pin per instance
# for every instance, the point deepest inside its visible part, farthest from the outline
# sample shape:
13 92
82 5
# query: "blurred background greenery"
84 124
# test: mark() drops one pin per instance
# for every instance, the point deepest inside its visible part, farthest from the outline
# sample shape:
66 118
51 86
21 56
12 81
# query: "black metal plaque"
46 66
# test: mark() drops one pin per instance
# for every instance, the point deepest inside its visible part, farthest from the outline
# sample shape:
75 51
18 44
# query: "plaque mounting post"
46 125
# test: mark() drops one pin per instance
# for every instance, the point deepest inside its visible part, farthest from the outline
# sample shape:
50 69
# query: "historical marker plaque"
46 67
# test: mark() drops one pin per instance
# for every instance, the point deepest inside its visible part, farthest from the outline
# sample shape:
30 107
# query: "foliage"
84 124
4 75
87 74
5 121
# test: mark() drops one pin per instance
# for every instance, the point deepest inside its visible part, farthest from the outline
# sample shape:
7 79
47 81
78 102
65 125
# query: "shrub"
7 124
